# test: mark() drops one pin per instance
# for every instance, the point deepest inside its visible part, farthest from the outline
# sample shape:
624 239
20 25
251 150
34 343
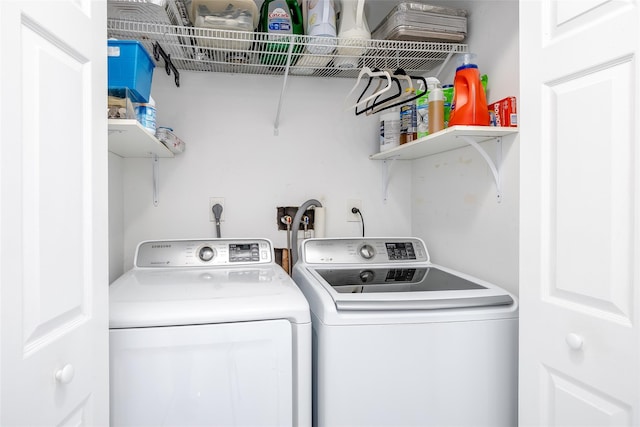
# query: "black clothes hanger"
376 102
404 100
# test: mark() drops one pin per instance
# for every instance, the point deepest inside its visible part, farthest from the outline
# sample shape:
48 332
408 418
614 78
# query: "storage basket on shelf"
130 67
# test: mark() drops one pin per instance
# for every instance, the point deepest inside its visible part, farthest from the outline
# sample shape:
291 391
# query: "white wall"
454 205
227 123
322 152
116 217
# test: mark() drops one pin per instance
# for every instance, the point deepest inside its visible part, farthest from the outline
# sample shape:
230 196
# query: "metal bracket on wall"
168 65
493 166
155 162
386 164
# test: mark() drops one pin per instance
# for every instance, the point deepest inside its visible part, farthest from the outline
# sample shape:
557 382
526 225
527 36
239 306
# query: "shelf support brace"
444 63
168 65
156 185
284 86
386 164
493 166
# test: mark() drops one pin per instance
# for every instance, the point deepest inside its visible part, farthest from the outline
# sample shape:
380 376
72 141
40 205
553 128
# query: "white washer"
209 332
399 341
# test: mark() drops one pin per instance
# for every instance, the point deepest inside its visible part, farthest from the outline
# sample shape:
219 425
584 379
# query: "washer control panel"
201 252
364 250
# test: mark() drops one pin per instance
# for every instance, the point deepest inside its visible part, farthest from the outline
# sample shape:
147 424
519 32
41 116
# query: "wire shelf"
203 49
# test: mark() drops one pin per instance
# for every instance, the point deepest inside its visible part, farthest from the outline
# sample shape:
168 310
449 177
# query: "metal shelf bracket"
495 167
155 162
386 165
168 65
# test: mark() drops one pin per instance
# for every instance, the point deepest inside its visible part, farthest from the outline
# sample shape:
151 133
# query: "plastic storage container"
120 106
232 15
170 140
130 67
170 12
390 129
240 15
146 115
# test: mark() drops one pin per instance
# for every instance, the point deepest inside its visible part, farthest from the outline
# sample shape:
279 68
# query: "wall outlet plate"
353 203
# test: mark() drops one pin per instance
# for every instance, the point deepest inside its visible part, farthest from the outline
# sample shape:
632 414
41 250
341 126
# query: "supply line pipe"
287 220
296 226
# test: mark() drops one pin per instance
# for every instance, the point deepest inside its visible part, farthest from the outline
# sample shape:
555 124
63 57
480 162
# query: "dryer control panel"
364 250
203 252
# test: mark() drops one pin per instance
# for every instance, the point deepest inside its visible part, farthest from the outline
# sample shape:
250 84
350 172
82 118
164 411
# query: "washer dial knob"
367 276
367 251
206 253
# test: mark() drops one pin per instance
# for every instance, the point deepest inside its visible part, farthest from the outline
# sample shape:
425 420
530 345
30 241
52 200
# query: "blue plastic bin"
130 67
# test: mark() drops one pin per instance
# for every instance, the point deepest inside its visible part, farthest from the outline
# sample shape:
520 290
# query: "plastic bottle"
390 129
436 110
408 125
280 19
320 23
469 105
447 90
422 108
353 34
146 115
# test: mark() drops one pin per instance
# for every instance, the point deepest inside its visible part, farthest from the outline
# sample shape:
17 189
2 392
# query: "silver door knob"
65 375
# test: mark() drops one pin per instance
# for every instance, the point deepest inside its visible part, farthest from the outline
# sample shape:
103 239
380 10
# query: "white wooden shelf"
128 138
445 140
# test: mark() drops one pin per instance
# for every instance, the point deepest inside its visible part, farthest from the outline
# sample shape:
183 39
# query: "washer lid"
423 287
202 295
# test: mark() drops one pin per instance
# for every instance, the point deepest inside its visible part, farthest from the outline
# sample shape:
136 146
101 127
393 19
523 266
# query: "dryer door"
222 374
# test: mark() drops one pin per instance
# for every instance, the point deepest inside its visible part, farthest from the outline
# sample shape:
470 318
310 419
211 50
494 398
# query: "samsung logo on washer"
160 246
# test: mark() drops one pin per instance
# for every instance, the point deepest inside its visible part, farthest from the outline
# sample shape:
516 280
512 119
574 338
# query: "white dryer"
209 332
399 341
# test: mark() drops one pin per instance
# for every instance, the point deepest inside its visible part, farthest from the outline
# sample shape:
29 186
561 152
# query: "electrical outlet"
353 203
212 202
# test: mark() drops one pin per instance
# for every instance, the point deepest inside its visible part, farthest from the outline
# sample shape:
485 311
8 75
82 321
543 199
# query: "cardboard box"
504 112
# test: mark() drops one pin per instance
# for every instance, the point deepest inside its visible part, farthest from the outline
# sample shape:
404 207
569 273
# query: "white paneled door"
580 213
53 213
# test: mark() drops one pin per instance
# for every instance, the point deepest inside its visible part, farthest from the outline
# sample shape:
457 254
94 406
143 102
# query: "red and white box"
504 112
